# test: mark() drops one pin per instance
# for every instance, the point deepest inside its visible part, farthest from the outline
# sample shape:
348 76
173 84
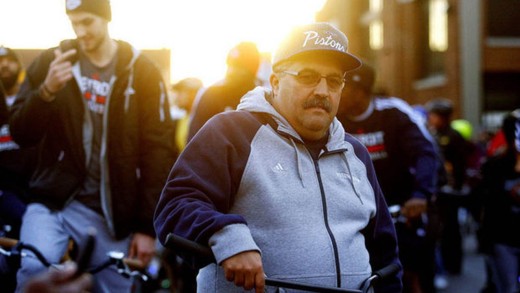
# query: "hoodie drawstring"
129 90
351 176
298 162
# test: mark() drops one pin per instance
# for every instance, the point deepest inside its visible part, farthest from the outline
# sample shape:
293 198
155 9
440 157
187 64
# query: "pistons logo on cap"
73 4
314 38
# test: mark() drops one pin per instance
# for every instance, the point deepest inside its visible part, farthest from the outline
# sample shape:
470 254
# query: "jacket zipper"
325 218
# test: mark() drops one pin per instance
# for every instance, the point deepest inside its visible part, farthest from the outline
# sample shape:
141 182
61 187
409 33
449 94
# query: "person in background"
404 156
277 187
454 192
184 94
98 111
16 164
500 188
243 62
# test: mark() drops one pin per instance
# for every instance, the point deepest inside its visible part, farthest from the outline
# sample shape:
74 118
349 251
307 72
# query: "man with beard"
98 111
16 164
277 187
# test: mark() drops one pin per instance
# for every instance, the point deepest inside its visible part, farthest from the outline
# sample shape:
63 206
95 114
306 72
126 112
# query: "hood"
127 56
257 101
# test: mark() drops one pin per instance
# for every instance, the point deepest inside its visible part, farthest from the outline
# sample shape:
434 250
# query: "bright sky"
198 32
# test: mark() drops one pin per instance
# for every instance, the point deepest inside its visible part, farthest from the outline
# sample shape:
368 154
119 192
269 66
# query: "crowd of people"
315 177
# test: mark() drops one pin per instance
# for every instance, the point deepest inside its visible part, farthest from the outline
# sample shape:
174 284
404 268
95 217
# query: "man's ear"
275 81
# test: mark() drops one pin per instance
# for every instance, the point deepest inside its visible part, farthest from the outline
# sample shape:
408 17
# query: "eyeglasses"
313 78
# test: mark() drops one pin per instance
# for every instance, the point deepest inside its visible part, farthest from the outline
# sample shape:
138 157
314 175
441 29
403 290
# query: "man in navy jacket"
277 187
405 160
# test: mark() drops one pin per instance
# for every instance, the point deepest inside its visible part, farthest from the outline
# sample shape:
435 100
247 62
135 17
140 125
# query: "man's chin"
317 123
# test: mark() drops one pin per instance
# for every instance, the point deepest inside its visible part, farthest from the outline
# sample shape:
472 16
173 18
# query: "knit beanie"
97 7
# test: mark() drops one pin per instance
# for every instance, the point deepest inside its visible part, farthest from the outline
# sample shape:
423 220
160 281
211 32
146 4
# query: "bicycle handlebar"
176 242
125 266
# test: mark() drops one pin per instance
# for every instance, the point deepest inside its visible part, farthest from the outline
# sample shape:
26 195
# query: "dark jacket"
16 164
138 139
501 210
219 98
400 146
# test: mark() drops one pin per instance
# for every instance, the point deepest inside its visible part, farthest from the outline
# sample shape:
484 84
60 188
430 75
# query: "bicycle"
178 243
128 268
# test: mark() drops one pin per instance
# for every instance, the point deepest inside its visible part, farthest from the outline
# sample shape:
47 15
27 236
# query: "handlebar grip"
179 243
387 271
7 242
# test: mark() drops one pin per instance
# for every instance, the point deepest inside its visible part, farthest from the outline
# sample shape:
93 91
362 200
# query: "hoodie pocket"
55 183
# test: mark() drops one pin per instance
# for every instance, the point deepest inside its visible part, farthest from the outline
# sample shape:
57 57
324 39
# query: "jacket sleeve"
157 150
380 235
418 144
30 115
199 192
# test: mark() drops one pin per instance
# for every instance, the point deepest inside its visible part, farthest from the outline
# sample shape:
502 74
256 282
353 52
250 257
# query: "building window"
376 25
433 42
438 25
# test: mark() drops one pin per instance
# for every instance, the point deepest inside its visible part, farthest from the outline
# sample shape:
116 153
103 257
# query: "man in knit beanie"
97 111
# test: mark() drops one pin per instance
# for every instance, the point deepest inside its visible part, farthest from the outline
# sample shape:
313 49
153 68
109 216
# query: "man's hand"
60 72
414 207
59 281
142 247
245 270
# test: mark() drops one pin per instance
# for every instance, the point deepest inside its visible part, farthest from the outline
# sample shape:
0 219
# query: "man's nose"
322 86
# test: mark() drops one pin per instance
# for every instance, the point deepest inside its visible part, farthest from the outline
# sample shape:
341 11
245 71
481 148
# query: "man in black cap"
242 62
16 164
403 153
11 69
277 187
98 111
452 194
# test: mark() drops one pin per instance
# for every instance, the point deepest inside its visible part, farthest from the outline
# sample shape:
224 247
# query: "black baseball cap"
9 53
362 77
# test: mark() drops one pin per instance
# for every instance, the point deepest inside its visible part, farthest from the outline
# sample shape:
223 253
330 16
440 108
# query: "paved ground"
473 276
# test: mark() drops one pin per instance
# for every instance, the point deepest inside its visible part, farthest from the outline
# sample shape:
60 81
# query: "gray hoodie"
322 222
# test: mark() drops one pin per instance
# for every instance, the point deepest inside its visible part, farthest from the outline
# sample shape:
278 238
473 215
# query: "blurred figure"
404 156
63 280
501 209
184 94
11 70
16 165
242 61
453 193
98 111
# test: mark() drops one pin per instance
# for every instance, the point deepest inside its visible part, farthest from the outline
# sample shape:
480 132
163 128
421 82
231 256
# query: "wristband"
45 93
